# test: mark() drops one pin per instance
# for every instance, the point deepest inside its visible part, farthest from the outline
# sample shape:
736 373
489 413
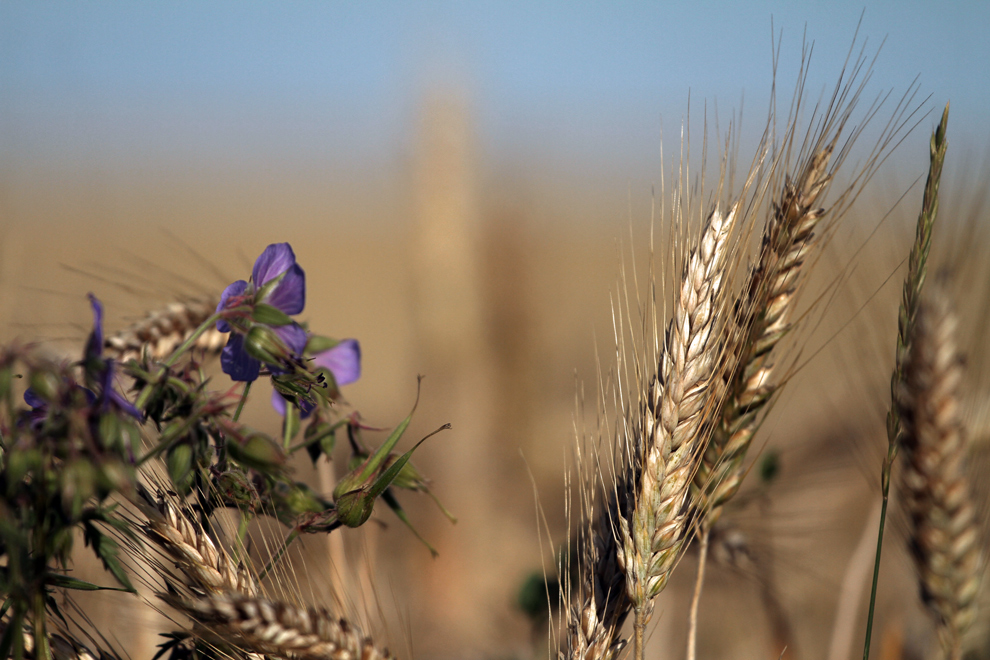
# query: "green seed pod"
263 344
301 499
258 452
354 508
180 467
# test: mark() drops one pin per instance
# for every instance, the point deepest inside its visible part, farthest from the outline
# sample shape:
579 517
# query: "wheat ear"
593 626
944 539
206 566
760 319
279 629
162 330
653 527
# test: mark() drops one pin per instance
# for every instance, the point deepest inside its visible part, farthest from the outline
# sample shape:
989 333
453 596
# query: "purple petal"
275 260
278 403
236 362
123 404
343 360
289 295
94 345
33 400
293 336
235 289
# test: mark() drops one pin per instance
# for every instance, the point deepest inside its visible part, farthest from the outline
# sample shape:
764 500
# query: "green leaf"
66 582
401 514
106 549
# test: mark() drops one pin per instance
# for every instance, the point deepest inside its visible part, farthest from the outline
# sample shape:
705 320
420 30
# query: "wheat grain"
275 628
944 538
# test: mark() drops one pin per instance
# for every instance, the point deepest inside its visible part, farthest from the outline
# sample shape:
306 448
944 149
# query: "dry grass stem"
273 628
944 536
161 331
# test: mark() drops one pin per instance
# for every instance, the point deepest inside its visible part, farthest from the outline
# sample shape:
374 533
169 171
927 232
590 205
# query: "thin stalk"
242 530
638 627
240 404
692 648
876 564
41 649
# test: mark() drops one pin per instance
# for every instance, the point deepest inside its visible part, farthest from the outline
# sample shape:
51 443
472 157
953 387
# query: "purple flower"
343 361
98 370
278 281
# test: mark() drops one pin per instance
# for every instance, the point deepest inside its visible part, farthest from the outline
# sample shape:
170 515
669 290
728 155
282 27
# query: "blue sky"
146 84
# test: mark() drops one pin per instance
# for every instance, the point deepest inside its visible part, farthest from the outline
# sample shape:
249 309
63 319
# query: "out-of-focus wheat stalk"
162 330
944 539
258 625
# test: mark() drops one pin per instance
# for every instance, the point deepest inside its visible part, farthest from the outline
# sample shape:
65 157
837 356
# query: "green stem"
638 627
41 649
242 530
692 649
876 564
278 555
240 404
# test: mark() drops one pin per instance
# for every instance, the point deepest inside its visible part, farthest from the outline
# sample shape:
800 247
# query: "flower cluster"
257 314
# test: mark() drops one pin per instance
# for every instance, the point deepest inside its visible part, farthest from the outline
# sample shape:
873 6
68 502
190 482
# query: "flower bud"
263 344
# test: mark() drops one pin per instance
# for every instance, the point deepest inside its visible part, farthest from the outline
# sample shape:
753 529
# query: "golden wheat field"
614 360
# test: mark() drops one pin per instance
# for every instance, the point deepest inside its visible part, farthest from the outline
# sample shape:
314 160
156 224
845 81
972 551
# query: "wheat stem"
699 582
915 279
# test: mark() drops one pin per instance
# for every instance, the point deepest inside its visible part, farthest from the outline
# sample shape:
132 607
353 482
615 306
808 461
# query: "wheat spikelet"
209 568
275 628
760 319
944 539
163 330
668 433
592 626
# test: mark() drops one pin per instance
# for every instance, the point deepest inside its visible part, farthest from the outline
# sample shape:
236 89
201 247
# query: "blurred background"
460 182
